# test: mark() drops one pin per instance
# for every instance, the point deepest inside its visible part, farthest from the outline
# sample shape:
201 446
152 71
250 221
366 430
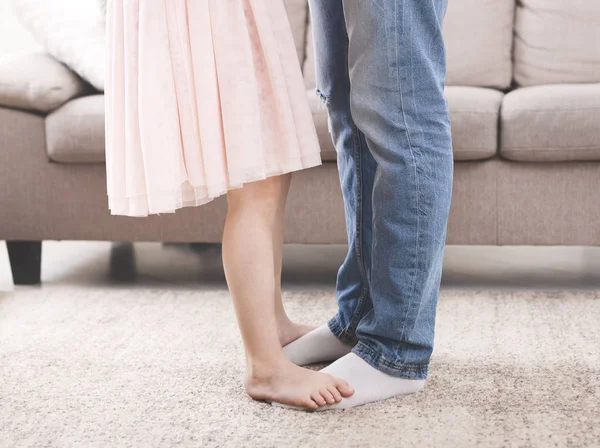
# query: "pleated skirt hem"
188 195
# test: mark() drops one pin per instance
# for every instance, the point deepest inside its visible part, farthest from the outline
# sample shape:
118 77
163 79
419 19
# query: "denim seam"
340 333
359 230
358 148
413 289
380 362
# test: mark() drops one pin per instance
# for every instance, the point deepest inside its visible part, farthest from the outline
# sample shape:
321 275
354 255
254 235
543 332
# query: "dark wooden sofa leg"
25 261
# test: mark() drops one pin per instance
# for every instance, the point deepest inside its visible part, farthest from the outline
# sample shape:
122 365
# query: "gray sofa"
524 95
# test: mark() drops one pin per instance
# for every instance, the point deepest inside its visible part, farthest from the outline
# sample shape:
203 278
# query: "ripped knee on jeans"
325 99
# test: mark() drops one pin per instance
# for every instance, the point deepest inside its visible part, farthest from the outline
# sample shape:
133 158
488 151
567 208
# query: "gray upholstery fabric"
309 68
25 187
549 203
298 15
552 123
38 82
328 153
75 132
474 114
557 41
479 41
473 215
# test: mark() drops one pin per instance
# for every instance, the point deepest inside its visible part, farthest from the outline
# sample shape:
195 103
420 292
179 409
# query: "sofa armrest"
37 82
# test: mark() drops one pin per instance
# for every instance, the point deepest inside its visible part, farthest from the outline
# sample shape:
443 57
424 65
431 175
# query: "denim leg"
355 163
396 62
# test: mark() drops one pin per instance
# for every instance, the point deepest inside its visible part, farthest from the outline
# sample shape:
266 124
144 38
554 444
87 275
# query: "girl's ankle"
265 367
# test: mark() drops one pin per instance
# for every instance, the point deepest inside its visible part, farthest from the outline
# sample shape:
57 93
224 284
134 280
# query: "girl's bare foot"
290 331
291 385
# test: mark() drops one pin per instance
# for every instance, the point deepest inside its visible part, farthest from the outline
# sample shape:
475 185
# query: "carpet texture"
108 367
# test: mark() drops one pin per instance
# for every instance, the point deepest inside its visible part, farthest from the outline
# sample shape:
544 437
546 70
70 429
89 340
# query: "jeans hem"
383 364
340 333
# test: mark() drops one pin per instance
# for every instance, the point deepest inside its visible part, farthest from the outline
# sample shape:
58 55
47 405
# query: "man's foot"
369 383
290 331
288 384
320 345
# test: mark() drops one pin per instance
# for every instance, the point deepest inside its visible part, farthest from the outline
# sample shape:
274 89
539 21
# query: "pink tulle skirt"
202 96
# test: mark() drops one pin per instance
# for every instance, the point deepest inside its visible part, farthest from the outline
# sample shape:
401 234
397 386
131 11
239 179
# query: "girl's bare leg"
288 331
249 261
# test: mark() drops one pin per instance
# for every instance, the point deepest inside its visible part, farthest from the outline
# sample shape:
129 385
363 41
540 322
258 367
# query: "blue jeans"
380 72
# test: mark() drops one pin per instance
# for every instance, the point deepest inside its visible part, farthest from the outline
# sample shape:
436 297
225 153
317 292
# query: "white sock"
369 383
320 345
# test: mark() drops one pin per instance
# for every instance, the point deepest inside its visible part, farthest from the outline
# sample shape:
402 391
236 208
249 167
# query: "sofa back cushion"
557 41
479 41
298 14
309 68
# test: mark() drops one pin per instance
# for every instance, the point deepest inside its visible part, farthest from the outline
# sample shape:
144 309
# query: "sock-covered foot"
320 345
286 384
291 331
369 383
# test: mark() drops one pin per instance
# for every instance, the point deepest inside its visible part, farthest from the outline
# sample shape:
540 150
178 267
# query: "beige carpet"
102 367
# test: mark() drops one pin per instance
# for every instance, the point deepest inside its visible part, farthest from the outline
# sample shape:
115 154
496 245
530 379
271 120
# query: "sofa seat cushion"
553 123
474 114
75 132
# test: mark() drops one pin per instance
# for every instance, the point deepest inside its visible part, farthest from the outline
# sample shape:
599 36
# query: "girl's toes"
310 404
345 389
327 395
317 398
335 393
